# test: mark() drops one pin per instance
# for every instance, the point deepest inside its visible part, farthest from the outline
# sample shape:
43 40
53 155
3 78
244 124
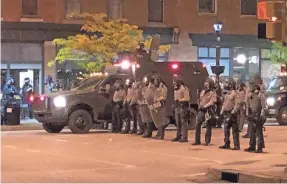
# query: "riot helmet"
240 86
209 84
229 84
177 81
27 80
129 82
147 79
9 80
156 80
118 85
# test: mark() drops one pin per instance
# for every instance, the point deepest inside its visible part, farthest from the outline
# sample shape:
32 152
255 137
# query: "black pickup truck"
276 99
88 103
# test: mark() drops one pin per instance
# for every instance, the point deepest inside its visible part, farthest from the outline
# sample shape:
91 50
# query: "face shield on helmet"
129 82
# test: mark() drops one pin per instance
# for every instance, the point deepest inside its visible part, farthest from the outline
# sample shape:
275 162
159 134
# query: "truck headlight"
60 101
270 101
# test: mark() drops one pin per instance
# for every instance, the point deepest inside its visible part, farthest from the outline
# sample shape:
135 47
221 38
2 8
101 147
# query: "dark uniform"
118 100
229 111
9 90
27 91
181 110
137 96
207 100
242 109
146 94
131 105
158 107
256 104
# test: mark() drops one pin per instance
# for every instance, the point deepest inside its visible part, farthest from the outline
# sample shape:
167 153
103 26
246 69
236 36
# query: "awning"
229 40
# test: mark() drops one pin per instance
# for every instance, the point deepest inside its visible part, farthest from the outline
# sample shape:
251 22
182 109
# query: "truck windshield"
277 83
88 83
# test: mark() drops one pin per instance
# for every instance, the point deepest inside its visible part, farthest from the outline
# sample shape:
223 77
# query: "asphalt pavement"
36 156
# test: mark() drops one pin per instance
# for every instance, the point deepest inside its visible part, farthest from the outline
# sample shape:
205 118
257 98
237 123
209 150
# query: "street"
36 156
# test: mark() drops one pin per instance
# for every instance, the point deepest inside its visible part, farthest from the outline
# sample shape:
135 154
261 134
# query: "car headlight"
60 101
270 101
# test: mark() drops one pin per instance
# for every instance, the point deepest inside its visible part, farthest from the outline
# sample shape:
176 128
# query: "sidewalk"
29 124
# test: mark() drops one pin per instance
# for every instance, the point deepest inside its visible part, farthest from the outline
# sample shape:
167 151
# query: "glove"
201 108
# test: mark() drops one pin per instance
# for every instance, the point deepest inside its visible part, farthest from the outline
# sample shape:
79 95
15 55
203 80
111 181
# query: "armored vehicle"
89 103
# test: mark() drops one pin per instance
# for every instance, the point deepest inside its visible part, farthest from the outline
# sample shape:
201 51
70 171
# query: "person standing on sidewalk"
181 109
230 113
207 100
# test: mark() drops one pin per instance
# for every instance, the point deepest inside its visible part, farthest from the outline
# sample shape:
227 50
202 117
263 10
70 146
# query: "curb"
37 126
217 174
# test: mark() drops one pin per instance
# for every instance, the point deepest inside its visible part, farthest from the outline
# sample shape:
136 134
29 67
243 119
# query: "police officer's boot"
250 149
149 129
161 133
135 128
127 128
225 146
142 129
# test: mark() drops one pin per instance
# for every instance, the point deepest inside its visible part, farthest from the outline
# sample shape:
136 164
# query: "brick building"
29 26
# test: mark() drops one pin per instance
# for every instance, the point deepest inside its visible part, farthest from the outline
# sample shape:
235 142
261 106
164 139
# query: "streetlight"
217 70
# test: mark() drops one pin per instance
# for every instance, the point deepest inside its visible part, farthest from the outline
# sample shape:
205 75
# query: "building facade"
29 26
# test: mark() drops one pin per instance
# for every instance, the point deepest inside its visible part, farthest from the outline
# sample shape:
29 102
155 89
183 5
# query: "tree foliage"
278 53
100 41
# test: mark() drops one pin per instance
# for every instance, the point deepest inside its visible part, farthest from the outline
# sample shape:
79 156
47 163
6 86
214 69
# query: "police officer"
181 105
27 91
137 97
158 106
207 100
146 94
255 109
9 90
241 90
230 113
118 100
131 105
255 80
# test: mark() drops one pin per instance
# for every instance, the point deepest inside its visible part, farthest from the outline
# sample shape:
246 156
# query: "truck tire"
192 119
80 121
52 128
282 116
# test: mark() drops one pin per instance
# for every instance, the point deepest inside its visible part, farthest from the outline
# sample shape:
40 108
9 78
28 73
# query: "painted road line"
180 156
61 140
193 175
32 150
8 146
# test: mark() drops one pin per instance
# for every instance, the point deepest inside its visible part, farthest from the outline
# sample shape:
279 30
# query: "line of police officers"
145 104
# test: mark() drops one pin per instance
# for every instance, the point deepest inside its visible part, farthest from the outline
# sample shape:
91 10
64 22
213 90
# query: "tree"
100 41
278 53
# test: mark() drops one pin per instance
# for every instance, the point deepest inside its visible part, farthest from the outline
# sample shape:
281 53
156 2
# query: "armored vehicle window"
89 83
277 83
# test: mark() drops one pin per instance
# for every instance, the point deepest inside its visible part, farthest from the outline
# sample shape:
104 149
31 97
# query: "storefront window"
245 62
208 57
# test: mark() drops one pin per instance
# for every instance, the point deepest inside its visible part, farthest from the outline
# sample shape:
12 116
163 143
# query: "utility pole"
284 23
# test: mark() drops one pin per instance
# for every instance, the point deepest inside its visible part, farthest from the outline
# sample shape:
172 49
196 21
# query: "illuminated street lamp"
217 27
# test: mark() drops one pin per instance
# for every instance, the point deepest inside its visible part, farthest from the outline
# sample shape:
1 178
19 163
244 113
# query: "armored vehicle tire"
52 128
192 119
282 116
80 121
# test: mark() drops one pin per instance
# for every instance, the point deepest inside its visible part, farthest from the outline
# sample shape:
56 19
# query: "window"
208 57
115 9
30 7
73 6
155 10
249 7
265 53
206 6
